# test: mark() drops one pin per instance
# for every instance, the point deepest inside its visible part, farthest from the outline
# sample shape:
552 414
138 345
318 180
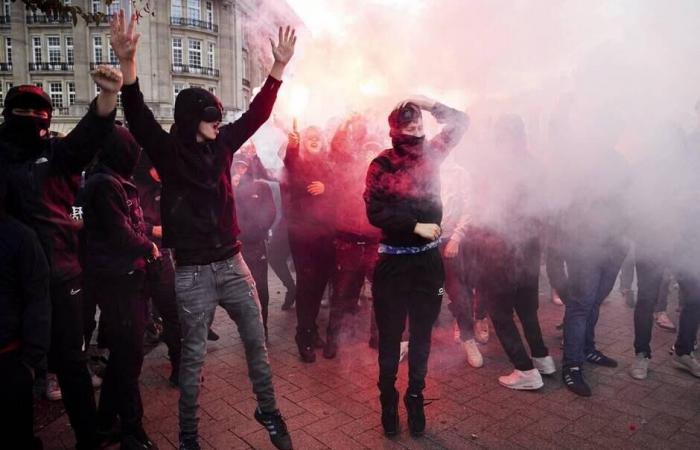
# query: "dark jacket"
42 189
197 203
149 194
403 184
25 309
255 208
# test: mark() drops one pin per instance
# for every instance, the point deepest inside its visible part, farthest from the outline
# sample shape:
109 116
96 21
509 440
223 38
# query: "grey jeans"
199 289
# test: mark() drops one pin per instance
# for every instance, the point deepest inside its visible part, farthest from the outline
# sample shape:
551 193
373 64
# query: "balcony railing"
5 20
5 67
51 67
105 20
196 70
187 22
61 111
93 65
49 19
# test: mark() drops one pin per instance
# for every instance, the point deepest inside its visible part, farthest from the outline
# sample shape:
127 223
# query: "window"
70 55
177 51
195 53
244 65
8 50
7 8
2 97
176 8
54 46
66 2
113 8
97 48
210 14
177 87
36 44
96 6
71 93
194 9
56 94
211 51
212 89
39 84
113 57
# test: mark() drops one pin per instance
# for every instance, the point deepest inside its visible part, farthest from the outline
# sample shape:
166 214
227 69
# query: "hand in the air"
284 50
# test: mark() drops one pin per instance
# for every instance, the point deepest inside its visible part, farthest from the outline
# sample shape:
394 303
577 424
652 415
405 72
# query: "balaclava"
120 152
401 116
192 106
23 131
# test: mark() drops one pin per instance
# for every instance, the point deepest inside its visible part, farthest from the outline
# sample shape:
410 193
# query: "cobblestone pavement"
333 404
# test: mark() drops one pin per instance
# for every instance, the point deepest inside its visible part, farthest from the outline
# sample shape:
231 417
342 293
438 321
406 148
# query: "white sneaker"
663 321
457 334
94 378
528 380
689 363
481 331
556 299
404 350
53 390
474 357
544 366
640 367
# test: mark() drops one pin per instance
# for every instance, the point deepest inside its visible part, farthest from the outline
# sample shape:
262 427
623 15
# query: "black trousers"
406 286
255 256
279 253
314 261
354 262
459 288
508 283
16 403
89 323
160 287
124 309
68 360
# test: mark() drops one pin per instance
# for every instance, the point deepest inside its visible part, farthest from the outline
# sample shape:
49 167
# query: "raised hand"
316 188
421 101
284 50
293 139
109 79
124 39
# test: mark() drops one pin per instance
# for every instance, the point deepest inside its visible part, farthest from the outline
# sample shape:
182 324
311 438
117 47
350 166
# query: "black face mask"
25 132
406 140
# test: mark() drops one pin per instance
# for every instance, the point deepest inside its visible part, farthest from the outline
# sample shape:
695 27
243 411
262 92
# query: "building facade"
185 43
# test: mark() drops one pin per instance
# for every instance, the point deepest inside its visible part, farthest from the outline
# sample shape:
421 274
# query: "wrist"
277 70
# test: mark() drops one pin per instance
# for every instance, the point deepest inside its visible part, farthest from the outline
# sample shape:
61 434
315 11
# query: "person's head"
27 112
120 152
198 114
406 125
240 165
312 140
371 149
509 134
248 150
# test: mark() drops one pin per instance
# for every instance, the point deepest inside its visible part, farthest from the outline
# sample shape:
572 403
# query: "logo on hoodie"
77 214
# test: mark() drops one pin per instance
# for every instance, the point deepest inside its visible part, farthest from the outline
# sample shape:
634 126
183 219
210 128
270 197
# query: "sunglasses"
212 114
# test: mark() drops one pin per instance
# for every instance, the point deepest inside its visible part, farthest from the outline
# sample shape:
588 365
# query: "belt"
396 250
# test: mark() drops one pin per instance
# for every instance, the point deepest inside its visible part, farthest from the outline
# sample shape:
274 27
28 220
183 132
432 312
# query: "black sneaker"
288 300
138 440
304 340
189 444
274 423
211 336
390 412
573 380
596 357
415 413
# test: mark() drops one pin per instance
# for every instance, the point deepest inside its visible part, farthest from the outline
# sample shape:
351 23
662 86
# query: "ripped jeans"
199 290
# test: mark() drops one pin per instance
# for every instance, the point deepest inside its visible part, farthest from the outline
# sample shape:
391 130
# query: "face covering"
406 140
25 132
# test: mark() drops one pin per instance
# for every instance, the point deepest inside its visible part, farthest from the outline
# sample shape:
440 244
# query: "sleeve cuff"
271 84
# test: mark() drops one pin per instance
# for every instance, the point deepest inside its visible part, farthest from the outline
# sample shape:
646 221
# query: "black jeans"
406 285
650 274
314 260
160 287
355 260
279 254
509 282
68 360
690 312
16 402
458 285
124 308
255 256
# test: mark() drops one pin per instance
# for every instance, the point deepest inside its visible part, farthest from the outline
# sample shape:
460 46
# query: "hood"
120 152
189 110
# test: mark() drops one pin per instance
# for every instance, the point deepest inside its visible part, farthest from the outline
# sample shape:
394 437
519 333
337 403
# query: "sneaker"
640 367
390 412
304 340
415 413
404 350
53 390
527 380
481 331
573 380
138 440
274 423
663 322
189 444
545 366
474 357
556 299
288 300
212 336
689 363
597 357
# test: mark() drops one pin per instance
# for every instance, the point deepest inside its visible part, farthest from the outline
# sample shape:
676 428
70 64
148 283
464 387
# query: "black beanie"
404 114
189 108
27 96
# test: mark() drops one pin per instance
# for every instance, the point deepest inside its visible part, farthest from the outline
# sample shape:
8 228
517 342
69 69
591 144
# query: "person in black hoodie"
256 213
43 178
199 222
310 219
25 319
116 254
403 199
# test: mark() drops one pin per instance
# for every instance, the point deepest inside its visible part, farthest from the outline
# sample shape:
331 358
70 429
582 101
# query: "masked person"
116 254
43 179
403 199
309 209
356 240
25 320
256 212
199 223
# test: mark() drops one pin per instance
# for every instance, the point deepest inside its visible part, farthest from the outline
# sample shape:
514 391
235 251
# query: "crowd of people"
150 223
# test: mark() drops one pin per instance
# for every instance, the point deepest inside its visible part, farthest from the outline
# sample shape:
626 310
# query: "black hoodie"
115 238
